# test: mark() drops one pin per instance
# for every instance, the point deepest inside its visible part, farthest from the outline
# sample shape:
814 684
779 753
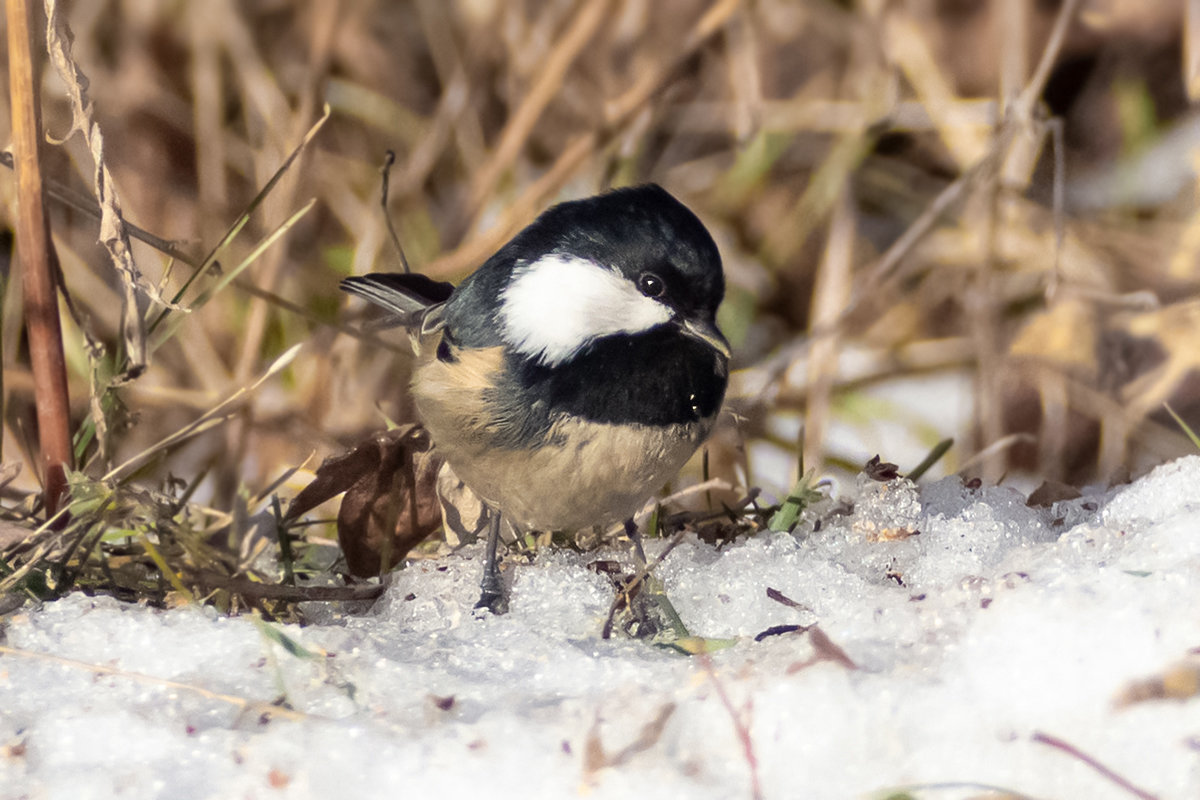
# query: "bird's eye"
651 285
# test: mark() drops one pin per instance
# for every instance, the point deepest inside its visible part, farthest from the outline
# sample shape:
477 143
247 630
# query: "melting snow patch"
971 629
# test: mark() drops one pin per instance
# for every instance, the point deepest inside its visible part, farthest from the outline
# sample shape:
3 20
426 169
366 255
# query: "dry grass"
879 175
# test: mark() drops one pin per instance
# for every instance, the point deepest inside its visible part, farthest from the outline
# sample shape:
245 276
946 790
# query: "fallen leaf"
1180 681
391 504
463 513
882 471
1050 492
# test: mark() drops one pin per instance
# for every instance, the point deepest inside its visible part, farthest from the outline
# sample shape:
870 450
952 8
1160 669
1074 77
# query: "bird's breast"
547 467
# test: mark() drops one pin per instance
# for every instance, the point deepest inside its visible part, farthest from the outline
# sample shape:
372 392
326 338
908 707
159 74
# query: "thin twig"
244 217
86 205
998 445
218 414
718 484
1032 93
254 590
385 174
1075 752
739 725
623 596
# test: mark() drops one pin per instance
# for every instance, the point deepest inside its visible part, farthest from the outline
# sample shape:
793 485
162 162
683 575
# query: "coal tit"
575 372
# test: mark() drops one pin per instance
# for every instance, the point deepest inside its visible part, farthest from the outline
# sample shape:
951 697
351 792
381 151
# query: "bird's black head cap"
634 231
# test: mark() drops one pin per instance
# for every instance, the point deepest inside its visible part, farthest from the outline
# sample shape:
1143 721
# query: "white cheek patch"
555 306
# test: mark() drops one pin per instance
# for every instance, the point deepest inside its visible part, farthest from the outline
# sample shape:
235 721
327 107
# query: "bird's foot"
492 595
495 602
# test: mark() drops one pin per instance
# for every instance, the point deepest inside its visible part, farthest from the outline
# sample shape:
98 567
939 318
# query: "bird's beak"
707 333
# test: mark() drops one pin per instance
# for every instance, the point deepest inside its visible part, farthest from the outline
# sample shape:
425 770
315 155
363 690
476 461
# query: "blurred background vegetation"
938 217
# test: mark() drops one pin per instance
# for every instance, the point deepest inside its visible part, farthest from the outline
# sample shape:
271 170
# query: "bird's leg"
491 595
635 536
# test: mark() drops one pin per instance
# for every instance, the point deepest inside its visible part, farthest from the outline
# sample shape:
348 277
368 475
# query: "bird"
573 374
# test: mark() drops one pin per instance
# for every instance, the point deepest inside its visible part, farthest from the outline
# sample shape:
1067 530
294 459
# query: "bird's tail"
408 296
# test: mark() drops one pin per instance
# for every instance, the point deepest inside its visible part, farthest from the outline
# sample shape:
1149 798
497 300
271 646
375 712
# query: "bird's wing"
415 300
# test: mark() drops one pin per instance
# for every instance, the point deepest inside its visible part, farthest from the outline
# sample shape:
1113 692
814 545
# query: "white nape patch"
556 305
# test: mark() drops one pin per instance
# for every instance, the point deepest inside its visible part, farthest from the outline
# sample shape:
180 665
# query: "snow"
975 623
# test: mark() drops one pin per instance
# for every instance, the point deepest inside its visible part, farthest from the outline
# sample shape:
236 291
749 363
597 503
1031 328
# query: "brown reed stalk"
37 257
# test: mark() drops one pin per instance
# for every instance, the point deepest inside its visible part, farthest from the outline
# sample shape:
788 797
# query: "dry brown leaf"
1050 492
391 505
1180 681
463 513
882 471
390 511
